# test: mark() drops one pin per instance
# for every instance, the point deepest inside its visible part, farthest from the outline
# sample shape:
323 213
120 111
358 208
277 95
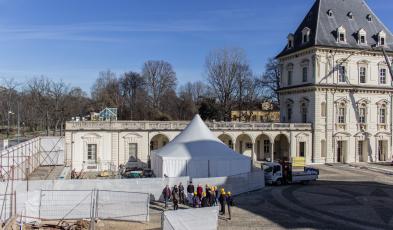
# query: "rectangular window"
289 114
382 115
266 146
132 152
323 109
290 77
305 72
362 74
362 39
341 115
362 115
92 153
248 145
304 115
323 148
382 76
302 148
342 74
382 41
342 37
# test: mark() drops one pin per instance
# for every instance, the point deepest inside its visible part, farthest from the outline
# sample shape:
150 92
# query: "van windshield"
267 169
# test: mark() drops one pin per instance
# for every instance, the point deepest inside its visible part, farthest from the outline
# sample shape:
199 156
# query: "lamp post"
8 122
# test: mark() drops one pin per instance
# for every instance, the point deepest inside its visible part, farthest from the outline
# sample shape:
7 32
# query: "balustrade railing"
180 125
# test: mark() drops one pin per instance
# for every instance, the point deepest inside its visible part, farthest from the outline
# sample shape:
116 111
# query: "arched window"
323 109
369 17
306 34
290 41
341 35
382 38
362 40
330 13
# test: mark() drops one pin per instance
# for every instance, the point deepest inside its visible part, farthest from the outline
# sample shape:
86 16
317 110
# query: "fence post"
96 206
14 200
148 211
39 206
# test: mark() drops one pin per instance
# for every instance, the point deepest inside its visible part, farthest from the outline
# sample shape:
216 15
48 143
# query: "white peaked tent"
197 153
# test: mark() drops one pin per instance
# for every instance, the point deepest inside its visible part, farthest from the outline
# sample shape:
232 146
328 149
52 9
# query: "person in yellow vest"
222 200
229 201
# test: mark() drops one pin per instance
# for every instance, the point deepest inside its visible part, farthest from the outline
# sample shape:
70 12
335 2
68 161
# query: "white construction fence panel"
5 209
123 205
82 204
191 219
51 151
63 204
237 184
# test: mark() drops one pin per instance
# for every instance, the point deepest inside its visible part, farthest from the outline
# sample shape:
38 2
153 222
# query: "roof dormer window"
330 13
341 35
382 38
306 35
362 40
350 15
369 18
290 41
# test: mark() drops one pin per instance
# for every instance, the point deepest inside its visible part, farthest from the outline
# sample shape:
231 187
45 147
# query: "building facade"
336 99
334 75
102 145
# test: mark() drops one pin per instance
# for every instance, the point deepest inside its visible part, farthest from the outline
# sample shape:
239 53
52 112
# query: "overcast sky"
73 40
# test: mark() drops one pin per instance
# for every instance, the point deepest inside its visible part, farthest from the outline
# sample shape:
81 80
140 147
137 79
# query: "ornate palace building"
334 75
335 95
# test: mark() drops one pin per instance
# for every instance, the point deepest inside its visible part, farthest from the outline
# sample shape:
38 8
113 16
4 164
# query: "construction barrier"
191 219
237 184
18 161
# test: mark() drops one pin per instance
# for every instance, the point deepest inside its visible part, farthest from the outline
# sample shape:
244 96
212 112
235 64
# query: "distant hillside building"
107 114
332 78
267 113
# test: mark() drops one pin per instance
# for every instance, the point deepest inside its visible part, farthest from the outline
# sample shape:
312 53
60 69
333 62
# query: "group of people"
199 197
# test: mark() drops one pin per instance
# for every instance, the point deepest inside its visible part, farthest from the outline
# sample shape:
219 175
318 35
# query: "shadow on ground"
320 205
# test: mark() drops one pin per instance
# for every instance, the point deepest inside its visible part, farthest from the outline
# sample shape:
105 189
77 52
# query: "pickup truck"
274 174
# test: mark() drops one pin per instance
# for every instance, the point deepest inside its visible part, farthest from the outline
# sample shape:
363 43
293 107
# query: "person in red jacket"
199 191
166 193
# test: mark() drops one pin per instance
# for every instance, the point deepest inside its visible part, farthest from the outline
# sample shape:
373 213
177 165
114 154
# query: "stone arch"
281 147
158 141
227 139
244 144
263 147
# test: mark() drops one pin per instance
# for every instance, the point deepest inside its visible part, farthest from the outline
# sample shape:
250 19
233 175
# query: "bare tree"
132 85
160 79
270 81
105 91
226 69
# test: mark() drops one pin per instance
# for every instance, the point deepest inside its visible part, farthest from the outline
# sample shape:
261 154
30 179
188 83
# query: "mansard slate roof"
324 27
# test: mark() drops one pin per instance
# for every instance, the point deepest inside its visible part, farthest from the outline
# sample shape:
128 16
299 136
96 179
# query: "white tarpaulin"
190 219
197 153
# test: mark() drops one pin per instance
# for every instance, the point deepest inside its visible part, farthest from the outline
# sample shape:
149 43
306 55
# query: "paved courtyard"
343 198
